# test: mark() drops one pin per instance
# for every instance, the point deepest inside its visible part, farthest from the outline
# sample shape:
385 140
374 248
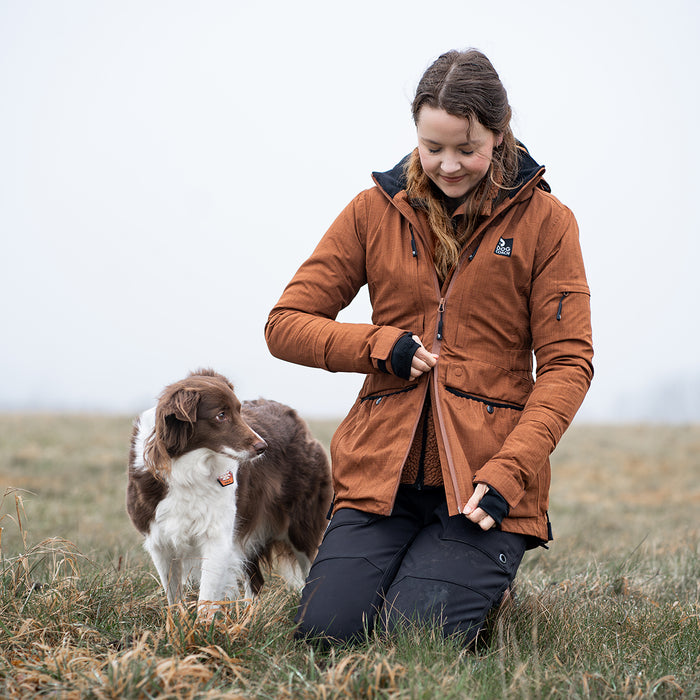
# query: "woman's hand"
476 514
423 361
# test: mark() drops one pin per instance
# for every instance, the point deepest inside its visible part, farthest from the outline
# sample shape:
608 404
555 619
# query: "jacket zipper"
561 302
437 408
441 312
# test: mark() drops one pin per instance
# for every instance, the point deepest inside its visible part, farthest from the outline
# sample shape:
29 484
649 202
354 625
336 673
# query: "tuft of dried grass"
612 611
74 628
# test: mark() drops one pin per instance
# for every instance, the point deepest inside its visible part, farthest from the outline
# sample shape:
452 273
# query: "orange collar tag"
226 479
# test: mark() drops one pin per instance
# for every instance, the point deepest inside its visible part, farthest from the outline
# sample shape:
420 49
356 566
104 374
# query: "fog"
165 166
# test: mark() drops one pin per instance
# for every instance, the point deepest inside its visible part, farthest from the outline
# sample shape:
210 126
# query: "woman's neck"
452 203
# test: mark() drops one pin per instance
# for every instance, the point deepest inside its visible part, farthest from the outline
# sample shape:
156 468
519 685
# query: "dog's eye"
221 416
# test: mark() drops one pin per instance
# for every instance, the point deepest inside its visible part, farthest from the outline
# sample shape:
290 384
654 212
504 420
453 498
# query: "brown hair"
464 84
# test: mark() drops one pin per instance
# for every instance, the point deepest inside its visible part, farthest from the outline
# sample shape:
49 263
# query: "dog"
220 489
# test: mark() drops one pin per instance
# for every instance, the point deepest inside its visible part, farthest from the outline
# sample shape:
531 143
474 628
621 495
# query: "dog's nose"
260 447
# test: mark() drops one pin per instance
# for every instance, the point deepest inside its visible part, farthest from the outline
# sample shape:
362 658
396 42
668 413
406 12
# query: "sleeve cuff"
494 505
402 356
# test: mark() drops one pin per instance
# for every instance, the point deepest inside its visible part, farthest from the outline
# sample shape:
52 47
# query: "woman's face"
454 152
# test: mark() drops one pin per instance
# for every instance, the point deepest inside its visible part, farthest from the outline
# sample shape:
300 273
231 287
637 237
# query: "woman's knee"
336 606
468 572
338 628
357 560
455 609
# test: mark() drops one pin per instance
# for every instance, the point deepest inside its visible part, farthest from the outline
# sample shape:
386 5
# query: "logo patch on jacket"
504 247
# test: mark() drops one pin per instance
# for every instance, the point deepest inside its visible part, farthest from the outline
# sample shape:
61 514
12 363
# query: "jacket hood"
394 181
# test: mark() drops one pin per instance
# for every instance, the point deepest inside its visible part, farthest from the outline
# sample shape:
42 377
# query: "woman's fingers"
476 514
423 361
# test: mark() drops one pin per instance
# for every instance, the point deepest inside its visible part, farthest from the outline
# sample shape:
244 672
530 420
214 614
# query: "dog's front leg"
170 573
221 571
175 589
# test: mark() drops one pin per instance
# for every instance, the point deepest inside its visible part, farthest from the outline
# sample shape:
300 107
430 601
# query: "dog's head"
201 411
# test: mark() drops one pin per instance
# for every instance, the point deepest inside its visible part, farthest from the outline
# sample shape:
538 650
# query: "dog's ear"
182 405
155 456
175 423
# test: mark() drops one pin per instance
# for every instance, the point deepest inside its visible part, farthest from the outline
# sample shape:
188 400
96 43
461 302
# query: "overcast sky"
165 166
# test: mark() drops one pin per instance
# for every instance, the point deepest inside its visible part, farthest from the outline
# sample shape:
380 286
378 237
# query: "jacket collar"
393 181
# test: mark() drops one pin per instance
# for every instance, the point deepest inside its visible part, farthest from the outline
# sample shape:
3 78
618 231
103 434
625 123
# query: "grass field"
611 610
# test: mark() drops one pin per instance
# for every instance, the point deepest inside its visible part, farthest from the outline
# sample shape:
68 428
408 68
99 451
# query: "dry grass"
611 611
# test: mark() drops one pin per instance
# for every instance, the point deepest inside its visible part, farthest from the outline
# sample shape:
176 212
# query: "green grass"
612 610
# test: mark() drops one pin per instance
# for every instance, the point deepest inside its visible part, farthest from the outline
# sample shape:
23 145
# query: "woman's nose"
450 165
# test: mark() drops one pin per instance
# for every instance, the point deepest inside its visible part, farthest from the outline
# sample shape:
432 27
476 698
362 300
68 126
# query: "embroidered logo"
504 247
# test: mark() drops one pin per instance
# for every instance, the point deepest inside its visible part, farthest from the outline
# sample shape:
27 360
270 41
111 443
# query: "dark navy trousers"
416 565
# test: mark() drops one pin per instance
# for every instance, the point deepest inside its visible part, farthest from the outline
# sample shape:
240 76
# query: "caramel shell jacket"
519 288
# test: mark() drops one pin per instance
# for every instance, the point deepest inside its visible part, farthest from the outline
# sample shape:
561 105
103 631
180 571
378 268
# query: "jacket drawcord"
476 248
474 252
413 242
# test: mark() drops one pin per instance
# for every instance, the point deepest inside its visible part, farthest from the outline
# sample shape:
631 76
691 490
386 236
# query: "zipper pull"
441 310
561 301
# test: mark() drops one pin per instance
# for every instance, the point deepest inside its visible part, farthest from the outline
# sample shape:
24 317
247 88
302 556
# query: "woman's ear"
499 139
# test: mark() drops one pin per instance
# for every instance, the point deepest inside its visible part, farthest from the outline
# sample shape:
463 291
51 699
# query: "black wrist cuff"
494 505
402 356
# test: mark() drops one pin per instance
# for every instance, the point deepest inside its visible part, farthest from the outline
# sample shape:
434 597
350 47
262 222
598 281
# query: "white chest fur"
192 534
196 507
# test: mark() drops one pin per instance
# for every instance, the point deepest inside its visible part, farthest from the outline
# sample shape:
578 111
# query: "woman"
441 468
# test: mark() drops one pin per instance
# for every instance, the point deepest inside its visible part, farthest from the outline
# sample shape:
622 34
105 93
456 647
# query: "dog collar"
226 479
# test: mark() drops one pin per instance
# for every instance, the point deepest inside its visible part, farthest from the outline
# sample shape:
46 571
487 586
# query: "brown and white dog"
219 488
